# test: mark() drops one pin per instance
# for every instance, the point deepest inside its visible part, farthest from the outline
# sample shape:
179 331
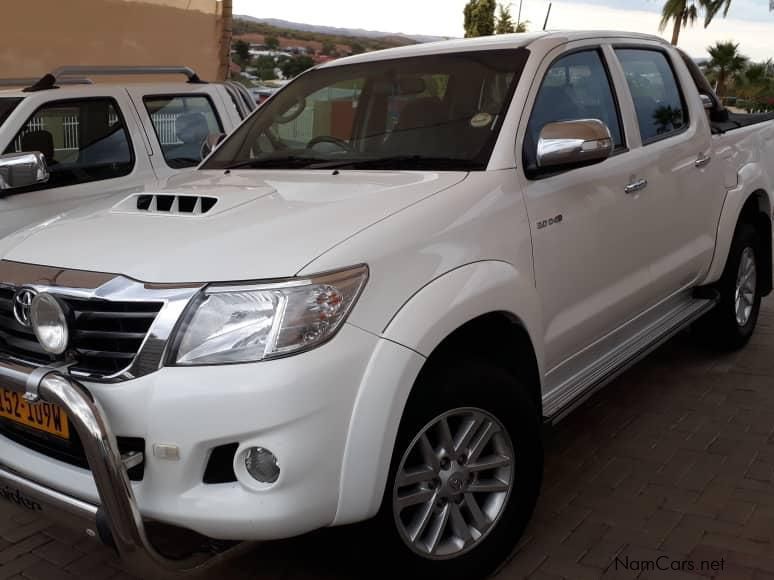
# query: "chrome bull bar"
117 520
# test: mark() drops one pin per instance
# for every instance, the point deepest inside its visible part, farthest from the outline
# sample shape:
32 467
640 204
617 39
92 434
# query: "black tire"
719 329
473 384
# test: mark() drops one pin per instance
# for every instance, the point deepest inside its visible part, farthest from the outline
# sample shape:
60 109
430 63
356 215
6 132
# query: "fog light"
261 464
49 322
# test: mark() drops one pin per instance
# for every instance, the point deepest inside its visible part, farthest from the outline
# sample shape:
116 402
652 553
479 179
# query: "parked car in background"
101 139
368 301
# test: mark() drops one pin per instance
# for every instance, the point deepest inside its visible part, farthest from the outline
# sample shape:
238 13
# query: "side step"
630 352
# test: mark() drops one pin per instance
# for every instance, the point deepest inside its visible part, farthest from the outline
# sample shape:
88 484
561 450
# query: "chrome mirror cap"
573 143
22 170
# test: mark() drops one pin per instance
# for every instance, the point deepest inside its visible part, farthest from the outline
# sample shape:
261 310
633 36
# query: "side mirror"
707 103
574 143
212 141
22 170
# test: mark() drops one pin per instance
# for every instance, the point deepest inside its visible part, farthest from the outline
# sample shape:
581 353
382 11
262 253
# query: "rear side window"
659 104
82 141
183 124
577 86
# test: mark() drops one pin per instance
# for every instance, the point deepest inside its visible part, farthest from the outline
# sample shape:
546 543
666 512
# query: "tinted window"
657 99
6 108
576 86
434 112
82 141
183 123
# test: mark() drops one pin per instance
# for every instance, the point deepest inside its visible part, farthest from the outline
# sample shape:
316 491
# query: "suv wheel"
731 324
466 473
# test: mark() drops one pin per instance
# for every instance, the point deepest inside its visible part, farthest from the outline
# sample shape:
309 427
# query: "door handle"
636 186
702 161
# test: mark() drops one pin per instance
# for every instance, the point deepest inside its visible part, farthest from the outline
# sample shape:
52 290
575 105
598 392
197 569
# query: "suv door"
92 149
685 188
591 262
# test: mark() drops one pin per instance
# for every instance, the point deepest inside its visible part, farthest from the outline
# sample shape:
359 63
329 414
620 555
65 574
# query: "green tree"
504 23
726 62
265 66
271 42
293 67
328 48
756 86
681 13
522 26
356 48
242 50
479 18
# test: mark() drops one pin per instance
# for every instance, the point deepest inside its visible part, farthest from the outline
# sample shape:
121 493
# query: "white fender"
432 314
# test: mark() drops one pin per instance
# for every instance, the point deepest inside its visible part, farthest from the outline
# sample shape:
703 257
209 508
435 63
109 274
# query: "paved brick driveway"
672 464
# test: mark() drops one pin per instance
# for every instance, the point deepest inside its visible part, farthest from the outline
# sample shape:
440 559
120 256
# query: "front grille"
106 335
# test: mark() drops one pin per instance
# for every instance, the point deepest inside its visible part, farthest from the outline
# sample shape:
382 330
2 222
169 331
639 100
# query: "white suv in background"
102 139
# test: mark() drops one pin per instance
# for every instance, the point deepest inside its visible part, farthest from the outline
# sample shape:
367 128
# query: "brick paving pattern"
672 463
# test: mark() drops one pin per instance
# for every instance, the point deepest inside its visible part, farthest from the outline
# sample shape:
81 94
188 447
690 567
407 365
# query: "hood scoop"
156 203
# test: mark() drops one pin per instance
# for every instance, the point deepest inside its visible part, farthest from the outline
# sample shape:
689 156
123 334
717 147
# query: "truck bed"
740 120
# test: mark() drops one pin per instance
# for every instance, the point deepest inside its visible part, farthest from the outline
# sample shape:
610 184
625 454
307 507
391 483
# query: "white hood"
265 224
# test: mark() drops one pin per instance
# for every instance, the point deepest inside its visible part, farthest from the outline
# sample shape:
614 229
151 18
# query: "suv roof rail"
62 74
23 82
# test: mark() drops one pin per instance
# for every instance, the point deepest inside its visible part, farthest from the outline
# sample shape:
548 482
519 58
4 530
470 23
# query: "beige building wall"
40 35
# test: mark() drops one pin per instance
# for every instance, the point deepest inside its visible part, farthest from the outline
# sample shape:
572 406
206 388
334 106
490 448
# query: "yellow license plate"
41 416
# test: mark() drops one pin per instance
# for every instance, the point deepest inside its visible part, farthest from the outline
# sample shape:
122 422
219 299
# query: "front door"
589 239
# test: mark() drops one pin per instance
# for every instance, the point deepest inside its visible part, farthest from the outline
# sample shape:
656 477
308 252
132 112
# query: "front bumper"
117 519
299 407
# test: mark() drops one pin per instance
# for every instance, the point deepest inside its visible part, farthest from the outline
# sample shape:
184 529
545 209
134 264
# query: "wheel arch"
754 207
484 304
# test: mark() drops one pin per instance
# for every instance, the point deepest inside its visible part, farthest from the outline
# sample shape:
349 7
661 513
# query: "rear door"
181 125
685 185
92 145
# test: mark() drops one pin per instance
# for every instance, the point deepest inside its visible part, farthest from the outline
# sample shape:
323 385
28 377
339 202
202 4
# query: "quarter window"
656 93
183 124
82 141
576 87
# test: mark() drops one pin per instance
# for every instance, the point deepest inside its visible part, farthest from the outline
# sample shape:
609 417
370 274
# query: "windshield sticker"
481 120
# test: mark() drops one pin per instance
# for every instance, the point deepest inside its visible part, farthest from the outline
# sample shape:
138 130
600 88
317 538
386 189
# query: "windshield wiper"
273 162
401 162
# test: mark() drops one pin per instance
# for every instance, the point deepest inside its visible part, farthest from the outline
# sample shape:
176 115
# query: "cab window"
183 124
659 104
82 141
576 86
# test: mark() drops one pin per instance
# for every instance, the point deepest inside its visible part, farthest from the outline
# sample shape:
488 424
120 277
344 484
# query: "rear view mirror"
22 170
574 143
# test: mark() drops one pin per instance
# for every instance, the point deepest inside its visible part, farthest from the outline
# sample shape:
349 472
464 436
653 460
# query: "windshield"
7 106
436 112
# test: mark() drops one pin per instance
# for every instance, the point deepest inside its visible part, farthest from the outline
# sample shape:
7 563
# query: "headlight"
49 323
236 324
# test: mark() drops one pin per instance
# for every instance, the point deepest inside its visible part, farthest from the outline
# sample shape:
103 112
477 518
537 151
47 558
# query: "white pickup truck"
368 300
102 139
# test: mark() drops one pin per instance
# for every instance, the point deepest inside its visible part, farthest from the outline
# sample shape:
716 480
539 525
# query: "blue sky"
749 23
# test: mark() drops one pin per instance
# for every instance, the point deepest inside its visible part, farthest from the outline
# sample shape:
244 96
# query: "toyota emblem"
22 303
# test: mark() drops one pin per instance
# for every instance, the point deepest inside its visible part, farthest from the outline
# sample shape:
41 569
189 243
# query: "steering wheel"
329 139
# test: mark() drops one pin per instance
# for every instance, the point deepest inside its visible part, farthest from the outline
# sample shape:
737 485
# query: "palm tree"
683 13
726 62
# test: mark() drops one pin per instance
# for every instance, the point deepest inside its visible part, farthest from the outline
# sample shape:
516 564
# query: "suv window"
577 86
183 124
82 141
656 93
7 106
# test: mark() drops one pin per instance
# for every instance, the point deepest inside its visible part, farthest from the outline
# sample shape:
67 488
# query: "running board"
610 367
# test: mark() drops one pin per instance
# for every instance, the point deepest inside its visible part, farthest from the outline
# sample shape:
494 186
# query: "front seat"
42 141
192 130
419 129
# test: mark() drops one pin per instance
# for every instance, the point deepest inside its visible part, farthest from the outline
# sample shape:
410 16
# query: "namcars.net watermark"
667 564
